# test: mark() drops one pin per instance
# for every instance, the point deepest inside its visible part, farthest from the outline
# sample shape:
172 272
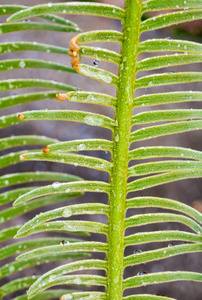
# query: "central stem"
123 115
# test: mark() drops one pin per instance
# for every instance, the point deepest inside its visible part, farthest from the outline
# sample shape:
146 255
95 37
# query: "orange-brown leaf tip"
21 116
74 44
70 52
46 150
76 67
22 156
74 54
75 61
62 97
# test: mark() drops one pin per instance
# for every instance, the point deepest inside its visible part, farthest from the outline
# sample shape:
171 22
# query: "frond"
126 177
9 183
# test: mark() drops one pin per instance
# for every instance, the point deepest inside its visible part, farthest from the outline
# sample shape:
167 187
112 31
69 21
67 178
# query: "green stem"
123 117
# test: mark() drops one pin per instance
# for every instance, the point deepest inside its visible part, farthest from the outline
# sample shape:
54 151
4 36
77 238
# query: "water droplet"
170 245
116 138
186 8
56 185
137 251
168 38
141 273
81 147
64 243
96 62
67 213
92 120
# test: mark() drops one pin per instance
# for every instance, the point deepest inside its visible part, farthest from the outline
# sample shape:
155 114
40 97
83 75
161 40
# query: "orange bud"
21 116
22 156
46 150
62 97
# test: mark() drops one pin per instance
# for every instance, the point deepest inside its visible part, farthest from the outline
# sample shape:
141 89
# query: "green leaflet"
155 180
70 226
163 166
150 237
101 54
22 140
167 78
71 8
65 269
168 61
147 297
12 212
149 152
70 115
81 145
163 203
73 159
161 254
8 9
74 247
15 266
18 178
66 211
100 36
90 97
33 63
57 187
17 285
166 115
85 280
10 196
13 27
160 130
101 75
51 294
164 98
161 277
84 295
158 45
170 19
12 84
27 245
28 46
173 4
8 233
138 220
162 163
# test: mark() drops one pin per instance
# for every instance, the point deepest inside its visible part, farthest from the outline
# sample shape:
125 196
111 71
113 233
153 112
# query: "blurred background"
187 191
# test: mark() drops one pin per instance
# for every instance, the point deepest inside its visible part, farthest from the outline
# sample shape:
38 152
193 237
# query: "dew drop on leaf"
96 62
141 273
137 251
64 243
56 185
